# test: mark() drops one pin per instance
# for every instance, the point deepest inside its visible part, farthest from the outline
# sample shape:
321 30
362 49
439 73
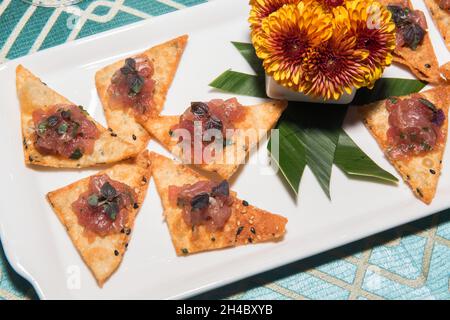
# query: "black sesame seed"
116 253
245 203
135 206
419 192
427 65
113 134
432 171
30 158
126 245
239 230
110 130
252 230
127 231
134 137
144 179
250 240
213 239
184 251
122 231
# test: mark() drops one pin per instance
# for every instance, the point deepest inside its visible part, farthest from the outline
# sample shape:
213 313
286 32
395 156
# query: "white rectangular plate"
37 245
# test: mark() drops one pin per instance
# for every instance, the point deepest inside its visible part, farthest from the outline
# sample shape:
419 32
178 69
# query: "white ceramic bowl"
277 91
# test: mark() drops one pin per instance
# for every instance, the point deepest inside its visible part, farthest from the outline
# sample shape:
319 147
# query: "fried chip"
259 119
102 255
421 172
441 18
165 58
246 224
34 94
422 62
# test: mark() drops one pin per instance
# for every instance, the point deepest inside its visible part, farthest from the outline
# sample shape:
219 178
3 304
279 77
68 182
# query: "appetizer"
440 11
134 89
98 212
205 215
414 48
412 132
59 133
237 130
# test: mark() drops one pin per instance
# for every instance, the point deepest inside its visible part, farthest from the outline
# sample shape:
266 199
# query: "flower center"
294 46
333 3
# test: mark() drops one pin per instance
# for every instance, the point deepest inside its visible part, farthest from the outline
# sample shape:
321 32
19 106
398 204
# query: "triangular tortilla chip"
247 224
422 62
421 173
102 255
445 71
259 119
441 18
166 58
34 94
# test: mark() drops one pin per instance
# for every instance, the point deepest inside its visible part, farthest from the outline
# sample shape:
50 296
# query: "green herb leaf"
108 191
248 52
387 87
92 200
75 128
62 128
137 84
42 127
77 154
428 104
240 83
111 209
353 161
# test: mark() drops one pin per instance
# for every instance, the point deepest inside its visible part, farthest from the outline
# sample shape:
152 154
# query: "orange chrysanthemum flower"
335 67
286 38
327 5
372 25
262 9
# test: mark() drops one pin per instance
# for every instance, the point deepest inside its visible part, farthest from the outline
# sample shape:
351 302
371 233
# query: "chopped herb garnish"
136 84
393 100
108 191
429 104
200 201
93 200
111 209
77 154
66 114
75 129
52 121
62 129
42 127
83 110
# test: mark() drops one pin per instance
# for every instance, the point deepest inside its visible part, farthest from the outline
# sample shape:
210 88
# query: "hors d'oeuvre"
98 212
59 133
205 215
412 132
414 48
135 89
216 135
440 11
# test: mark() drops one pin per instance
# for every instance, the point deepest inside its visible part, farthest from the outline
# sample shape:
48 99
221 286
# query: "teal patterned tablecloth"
410 262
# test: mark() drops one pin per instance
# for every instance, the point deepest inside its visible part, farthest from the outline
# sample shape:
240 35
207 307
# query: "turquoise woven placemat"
410 262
